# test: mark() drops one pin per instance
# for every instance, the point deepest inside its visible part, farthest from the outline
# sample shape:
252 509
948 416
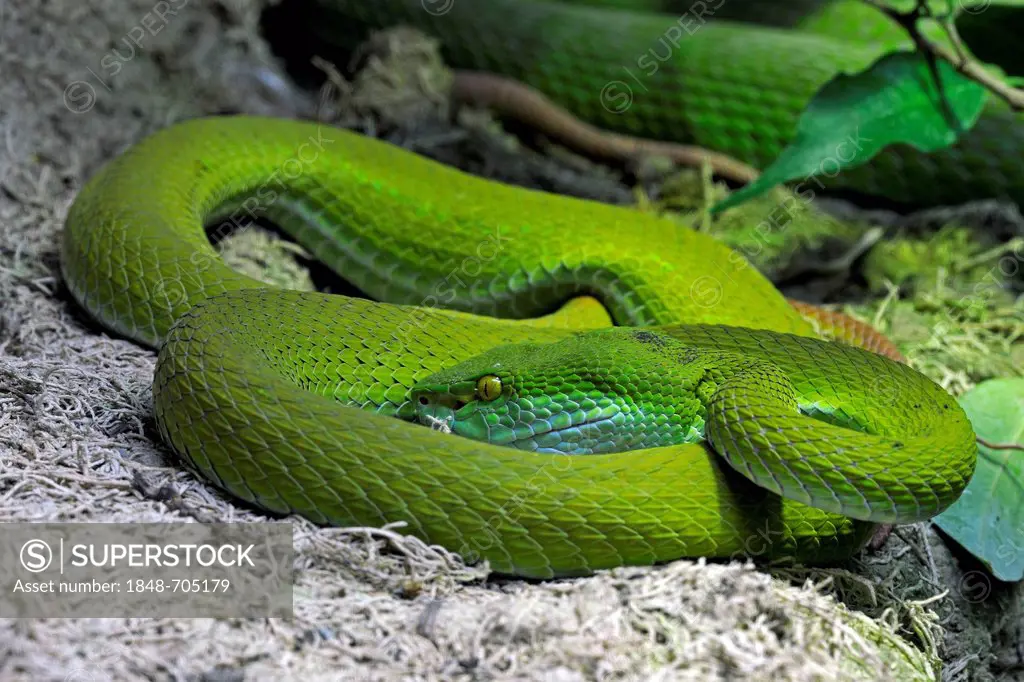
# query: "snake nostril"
459 404
423 400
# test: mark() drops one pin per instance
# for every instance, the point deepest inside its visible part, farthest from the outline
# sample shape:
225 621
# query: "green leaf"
988 519
853 117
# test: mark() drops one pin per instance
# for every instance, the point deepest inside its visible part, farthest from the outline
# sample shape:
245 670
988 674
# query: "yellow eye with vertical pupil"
488 387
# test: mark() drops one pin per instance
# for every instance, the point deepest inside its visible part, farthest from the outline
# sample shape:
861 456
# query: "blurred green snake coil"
299 402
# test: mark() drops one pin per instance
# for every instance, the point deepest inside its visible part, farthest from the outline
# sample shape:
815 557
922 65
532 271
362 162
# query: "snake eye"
488 387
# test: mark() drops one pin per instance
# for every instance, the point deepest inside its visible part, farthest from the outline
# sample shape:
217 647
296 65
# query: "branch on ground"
528 106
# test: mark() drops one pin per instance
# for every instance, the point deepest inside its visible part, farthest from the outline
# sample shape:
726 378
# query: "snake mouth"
433 405
533 426
586 437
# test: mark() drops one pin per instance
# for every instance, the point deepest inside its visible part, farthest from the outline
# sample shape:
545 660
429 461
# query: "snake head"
459 399
594 392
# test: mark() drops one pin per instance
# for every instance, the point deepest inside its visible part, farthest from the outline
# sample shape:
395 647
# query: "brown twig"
526 105
957 56
999 446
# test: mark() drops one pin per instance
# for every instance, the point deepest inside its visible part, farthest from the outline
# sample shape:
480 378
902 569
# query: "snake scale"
301 402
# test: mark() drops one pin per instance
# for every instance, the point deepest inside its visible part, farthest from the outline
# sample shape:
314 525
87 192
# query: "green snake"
761 439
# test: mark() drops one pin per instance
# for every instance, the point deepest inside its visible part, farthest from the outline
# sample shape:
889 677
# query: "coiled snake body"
289 399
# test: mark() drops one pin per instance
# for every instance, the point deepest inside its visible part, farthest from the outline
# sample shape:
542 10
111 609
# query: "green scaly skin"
734 88
287 399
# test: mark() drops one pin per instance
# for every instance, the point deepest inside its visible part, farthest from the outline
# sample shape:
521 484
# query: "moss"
961 322
264 256
775 232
